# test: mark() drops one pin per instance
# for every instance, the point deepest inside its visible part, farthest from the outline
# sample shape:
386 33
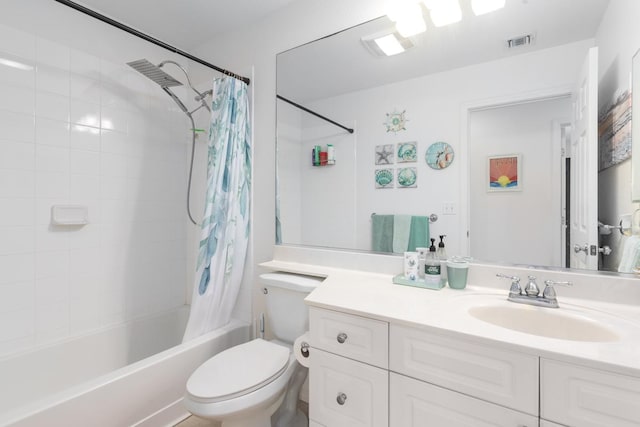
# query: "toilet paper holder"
304 349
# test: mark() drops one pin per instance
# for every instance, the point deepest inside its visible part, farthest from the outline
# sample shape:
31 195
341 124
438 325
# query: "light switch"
448 208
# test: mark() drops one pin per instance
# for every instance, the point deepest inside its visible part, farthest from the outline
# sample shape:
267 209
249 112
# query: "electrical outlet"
448 208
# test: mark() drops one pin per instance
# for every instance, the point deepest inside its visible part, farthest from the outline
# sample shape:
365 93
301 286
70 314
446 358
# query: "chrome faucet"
531 293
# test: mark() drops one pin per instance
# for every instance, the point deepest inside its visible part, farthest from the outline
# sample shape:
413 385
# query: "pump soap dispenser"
432 267
441 254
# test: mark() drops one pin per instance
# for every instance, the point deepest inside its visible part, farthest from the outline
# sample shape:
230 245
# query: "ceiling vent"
520 41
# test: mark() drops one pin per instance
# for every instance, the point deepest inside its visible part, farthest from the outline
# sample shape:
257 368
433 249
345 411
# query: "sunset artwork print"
504 173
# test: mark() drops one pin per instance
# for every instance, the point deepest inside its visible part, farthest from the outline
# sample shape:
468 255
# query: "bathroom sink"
544 322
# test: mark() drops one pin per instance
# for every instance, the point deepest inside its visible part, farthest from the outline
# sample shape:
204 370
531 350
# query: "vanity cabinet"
506 378
579 396
415 403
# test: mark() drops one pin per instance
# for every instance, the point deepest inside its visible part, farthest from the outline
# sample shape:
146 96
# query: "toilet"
256 384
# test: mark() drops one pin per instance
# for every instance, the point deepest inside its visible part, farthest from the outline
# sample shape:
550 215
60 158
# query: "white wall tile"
52 320
15 76
52 288
52 159
115 119
52 106
17 211
84 88
52 264
17 268
84 64
17 155
52 54
52 79
84 113
84 162
87 236
16 126
51 238
16 296
85 138
16 183
17 99
52 132
17 240
17 324
51 185
113 165
17 42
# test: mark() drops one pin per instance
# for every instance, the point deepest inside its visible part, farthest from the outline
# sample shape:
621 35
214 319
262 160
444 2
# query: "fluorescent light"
389 44
15 64
408 27
480 7
445 12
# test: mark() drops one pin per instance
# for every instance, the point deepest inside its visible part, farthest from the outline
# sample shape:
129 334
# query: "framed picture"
504 172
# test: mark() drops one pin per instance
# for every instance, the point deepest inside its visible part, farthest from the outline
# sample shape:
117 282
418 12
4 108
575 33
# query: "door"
584 167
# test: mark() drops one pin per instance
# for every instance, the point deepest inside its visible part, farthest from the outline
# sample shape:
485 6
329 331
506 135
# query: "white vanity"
390 355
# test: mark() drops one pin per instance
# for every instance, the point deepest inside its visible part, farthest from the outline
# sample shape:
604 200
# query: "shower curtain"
225 225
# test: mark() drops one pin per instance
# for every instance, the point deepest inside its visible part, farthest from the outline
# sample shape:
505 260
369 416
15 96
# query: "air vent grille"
519 41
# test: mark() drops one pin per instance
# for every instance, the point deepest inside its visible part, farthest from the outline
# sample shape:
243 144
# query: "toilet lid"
238 370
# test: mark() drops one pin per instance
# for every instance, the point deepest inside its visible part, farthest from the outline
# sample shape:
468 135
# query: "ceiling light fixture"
480 7
407 14
386 43
444 12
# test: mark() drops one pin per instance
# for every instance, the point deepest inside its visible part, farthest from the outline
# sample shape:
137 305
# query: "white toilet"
248 384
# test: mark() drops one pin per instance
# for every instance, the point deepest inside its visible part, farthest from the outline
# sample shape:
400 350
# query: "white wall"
433 106
618 39
529 219
83 128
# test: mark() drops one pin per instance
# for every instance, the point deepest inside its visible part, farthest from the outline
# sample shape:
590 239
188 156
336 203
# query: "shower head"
154 73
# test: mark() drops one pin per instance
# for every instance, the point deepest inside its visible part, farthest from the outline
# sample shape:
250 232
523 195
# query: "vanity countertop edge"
374 296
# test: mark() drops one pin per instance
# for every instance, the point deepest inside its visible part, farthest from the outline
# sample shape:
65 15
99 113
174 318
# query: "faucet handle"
549 291
515 288
532 289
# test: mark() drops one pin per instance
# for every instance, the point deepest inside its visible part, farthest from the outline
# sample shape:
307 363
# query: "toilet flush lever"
342 337
304 349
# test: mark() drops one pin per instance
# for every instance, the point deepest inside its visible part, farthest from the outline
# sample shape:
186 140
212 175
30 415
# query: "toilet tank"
287 314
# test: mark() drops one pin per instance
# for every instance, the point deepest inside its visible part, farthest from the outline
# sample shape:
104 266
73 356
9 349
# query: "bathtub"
130 375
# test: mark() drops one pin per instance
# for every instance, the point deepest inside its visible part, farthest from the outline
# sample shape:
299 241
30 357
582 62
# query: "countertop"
444 312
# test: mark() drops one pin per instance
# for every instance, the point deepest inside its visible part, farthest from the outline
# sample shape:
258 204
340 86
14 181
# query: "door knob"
577 248
342 337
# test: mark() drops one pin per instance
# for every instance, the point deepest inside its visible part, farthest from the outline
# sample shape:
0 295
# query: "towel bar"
432 217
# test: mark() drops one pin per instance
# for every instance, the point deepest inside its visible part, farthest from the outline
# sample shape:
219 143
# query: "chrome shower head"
154 73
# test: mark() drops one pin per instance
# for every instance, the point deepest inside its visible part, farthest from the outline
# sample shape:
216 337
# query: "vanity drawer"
503 377
355 337
578 396
414 403
346 393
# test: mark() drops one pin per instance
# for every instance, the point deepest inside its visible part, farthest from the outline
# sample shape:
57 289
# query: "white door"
583 243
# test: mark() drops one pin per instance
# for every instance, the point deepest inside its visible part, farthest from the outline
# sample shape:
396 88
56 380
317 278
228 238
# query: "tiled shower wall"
77 126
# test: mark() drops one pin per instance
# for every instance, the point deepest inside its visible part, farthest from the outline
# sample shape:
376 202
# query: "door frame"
483 104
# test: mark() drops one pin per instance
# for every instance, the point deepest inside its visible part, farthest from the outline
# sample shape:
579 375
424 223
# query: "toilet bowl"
246 385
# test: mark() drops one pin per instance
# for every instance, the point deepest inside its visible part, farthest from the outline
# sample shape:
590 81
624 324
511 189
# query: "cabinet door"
499 376
414 403
584 397
545 423
346 393
355 337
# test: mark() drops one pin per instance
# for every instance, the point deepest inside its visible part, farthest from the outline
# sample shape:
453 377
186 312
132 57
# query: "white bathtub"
118 377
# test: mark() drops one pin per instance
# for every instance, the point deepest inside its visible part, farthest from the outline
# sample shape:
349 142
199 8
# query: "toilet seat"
238 371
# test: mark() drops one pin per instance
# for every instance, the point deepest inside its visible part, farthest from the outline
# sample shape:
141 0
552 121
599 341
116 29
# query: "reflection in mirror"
460 85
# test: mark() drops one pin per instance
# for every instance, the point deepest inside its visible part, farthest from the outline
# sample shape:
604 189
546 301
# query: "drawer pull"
342 337
341 398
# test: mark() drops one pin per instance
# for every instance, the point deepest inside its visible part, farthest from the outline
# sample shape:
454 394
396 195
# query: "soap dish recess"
69 215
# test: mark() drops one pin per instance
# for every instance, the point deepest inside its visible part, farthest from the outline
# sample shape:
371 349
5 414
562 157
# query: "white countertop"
445 312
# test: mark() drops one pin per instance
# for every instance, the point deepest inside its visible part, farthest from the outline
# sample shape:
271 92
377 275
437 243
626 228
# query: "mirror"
455 84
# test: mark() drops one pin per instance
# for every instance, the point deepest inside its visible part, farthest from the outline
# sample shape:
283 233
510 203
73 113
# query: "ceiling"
339 64
185 23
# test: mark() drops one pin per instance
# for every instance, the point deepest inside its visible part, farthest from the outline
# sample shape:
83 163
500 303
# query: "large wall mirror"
432 125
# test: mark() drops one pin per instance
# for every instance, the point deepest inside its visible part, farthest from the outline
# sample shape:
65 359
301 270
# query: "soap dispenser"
432 266
441 254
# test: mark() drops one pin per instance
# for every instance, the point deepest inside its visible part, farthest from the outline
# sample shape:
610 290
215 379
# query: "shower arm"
200 95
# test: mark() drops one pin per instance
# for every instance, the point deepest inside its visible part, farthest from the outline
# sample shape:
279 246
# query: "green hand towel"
382 233
419 234
401 233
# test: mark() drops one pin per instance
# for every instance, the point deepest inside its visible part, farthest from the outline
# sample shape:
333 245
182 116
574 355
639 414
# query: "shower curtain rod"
148 38
314 113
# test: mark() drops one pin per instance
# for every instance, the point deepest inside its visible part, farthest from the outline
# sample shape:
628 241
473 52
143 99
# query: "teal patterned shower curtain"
225 225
